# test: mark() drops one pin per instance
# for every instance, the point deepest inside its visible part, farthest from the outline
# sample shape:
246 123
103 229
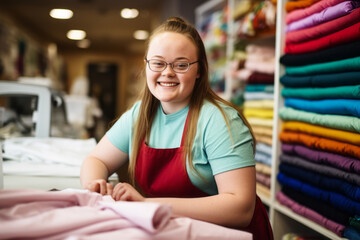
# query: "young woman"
186 146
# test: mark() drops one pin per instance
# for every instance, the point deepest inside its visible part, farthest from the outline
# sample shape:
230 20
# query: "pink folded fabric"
323 29
304 12
75 215
310 214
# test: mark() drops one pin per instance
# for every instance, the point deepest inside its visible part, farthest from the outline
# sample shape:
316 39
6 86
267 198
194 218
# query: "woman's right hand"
100 186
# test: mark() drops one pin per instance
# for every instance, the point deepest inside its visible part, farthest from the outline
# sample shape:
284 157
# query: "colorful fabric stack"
320 160
258 108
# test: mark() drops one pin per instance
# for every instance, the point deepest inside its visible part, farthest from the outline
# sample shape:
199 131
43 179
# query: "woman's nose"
168 70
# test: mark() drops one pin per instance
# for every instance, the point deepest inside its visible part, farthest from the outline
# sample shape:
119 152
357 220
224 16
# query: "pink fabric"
36 214
323 29
310 214
305 12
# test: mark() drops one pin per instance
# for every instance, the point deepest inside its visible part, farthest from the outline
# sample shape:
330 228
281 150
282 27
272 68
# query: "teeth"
168 84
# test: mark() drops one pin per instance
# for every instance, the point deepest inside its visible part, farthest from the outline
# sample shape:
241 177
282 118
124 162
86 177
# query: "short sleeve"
120 134
224 151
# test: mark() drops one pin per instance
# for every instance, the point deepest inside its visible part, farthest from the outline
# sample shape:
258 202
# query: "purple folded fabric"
337 228
325 15
345 163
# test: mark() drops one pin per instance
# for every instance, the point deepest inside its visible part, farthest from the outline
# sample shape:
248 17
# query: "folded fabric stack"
258 107
320 160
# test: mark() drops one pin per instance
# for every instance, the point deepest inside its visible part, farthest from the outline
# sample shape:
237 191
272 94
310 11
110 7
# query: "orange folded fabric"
293 5
340 135
319 143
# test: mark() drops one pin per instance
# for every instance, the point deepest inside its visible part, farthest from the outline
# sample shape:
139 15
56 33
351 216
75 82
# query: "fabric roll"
263 179
318 206
266 122
263 168
261 103
322 181
261 130
321 80
310 214
258 77
260 87
263 190
346 35
334 199
258 95
342 122
314 8
344 65
343 51
257 112
338 135
262 158
319 143
349 107
347 164
323 29
264 148
293 5
328 14
321 169
263 138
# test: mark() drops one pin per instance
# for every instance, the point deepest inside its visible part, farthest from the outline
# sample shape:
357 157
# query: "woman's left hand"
126 192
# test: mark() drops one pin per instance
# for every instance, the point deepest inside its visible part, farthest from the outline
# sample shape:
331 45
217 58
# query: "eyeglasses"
177 66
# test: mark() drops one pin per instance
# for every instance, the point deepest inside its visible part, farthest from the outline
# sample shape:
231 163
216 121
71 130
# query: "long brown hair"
149 104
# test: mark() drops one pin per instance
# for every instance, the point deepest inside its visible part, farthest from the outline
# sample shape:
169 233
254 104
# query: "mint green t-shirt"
213 151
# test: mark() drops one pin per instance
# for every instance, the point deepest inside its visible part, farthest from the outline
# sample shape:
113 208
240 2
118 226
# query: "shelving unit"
283 219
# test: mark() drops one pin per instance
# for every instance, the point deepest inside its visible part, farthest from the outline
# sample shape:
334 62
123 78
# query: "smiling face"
172 89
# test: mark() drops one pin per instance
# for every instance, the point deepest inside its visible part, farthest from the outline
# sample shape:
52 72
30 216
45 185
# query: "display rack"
283 219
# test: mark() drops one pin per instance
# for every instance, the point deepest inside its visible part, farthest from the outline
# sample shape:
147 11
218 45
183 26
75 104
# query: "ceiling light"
85 43
76 34
129 13
141 34
61 13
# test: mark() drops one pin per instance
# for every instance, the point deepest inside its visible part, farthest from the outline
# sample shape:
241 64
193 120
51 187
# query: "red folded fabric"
346 35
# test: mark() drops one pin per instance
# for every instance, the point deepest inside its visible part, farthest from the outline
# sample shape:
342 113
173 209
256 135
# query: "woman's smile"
168 84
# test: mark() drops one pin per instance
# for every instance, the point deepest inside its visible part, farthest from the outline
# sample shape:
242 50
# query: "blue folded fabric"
322 181
350 107
335 199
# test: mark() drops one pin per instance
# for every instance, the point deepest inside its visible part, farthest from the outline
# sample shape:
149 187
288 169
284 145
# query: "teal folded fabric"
347 123
349 64
323 93
321 80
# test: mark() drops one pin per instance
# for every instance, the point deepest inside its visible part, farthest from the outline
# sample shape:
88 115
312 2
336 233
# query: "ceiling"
101 20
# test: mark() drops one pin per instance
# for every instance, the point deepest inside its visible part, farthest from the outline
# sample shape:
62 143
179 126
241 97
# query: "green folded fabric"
342 122
349 64
323 93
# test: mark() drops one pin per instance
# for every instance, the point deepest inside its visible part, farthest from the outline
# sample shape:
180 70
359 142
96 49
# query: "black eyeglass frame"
171 65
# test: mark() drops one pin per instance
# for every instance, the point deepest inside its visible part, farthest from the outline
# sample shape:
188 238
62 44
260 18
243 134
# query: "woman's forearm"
224 209
92 169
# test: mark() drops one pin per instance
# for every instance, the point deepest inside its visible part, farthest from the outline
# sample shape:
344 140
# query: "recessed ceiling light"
85 43
76 34
59 13
141 34
129 13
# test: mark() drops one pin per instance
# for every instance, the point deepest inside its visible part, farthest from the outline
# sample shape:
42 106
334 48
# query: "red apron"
162 173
